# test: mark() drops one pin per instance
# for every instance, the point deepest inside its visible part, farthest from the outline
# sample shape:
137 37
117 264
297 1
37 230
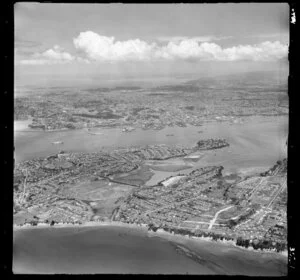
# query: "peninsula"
110 186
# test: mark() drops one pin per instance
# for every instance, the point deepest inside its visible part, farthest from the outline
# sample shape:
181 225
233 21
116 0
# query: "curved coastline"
159 233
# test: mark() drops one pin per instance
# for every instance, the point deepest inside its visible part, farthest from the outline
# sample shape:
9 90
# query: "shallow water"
113 249
92 250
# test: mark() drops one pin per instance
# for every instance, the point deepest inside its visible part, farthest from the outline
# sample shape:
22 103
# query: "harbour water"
117 249
257 143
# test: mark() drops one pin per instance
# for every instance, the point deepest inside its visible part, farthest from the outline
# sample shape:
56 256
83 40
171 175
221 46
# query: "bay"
118 249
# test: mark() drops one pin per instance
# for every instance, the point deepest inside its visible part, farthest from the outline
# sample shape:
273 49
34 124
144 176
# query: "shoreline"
159 233
227 243
84 224
208 121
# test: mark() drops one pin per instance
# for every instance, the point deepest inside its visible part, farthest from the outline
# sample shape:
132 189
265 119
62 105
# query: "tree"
33 223
231 223
239 241
280 247
247 242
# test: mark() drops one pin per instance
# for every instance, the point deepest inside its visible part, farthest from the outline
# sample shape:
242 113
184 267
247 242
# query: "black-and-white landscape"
151 139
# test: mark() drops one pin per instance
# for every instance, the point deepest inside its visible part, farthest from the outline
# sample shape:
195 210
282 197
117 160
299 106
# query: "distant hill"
263 79
259 81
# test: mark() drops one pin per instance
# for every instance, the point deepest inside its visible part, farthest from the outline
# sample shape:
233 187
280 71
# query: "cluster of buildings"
41 180
143 108
209 144
174 202
250 208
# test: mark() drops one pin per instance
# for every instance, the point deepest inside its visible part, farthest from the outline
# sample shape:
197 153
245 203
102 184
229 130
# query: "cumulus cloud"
189 49
56 55
177 39
97 48
265 51
102 48
106 48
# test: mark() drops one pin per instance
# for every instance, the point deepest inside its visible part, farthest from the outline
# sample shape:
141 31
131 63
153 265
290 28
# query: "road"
195 222
212 221
256 188
24 187
277 193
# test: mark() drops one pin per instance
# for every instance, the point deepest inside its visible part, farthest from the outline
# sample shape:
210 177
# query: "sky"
82 43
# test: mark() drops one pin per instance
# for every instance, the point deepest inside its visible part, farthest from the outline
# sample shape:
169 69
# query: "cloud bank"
197 38
56 55
97 48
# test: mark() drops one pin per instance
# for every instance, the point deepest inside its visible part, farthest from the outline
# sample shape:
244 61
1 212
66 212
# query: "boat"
57 143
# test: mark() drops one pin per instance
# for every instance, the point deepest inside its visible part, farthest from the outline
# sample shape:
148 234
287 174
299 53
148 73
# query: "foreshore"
228 243
159 233
85 224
